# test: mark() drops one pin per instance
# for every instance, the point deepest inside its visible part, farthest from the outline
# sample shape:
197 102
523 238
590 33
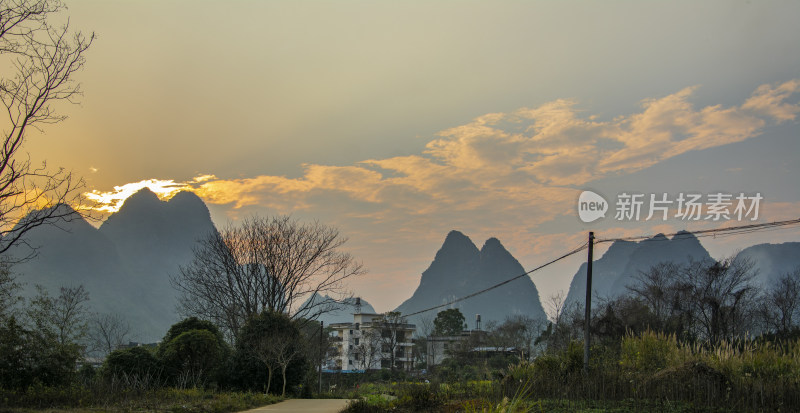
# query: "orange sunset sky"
399 121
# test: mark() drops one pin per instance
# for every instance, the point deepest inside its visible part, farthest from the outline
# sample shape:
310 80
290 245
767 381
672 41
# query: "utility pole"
321 355
586 332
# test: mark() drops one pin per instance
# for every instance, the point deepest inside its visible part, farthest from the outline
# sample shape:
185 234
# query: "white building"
369 342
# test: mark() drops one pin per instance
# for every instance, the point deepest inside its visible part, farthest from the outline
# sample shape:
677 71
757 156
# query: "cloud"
771 100
111 201
511 164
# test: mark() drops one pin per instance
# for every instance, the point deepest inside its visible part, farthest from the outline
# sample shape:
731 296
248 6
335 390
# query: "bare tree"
64 318
392 328
8 293
555 306
276 351
367 348
706 300
44 59
519 331
107 332
425 347
265 264
779 308
723 296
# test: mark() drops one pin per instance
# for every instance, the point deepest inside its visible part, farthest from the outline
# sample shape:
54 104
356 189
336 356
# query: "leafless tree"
723 296
276 351
265 264
264 350
43 59
107 332
779 308
424 351
392 327
555 306
656 287
706 300
367 348
8 292
519 331
64 318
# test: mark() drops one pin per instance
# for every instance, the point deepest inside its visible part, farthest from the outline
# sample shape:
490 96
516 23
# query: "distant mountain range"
459 269
126 263
617 268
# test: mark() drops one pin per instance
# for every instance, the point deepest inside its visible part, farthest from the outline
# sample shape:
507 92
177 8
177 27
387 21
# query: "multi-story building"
373 341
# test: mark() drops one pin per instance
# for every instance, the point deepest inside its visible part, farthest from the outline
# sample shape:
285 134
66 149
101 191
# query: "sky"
397 122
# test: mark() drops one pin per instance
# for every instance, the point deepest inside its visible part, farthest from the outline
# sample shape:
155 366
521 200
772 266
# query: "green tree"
449 322
270 342
43 344
134 363
193 352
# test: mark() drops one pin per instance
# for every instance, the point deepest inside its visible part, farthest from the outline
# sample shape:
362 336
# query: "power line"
575 251
735 230
727 231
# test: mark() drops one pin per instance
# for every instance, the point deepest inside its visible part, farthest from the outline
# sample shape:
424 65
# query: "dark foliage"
250 372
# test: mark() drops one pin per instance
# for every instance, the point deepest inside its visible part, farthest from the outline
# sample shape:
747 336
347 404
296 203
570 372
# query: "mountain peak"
492 244
143 196
186 200
185 197
460 269
454 236
457 241
683 235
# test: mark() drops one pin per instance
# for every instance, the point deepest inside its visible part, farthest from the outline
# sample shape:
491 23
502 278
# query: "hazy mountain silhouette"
772 261
459 269
624 259
125 264
340 311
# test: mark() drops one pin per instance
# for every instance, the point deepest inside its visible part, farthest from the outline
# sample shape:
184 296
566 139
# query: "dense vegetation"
45 342
700 337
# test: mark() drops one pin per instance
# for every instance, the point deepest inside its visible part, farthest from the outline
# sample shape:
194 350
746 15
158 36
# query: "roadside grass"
646 372
79 400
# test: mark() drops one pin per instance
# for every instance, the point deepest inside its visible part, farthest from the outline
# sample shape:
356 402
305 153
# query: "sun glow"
112 201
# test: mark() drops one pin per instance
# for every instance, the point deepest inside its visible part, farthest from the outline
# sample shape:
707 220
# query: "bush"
134 365
648 352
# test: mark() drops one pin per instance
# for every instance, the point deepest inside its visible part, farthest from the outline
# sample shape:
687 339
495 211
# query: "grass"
44 399
647 372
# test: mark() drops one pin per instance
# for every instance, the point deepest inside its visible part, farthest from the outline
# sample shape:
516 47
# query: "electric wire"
574 251
714 232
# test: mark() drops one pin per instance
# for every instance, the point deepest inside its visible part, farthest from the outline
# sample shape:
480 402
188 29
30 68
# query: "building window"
356 341
357 326
351 332
355 356
350 347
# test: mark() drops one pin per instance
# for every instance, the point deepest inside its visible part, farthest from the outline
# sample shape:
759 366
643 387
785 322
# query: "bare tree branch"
44 59
265 264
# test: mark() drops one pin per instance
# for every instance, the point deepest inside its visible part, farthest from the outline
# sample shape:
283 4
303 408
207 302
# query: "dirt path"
304 405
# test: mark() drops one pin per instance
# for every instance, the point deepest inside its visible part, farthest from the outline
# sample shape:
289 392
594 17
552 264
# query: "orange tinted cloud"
505 162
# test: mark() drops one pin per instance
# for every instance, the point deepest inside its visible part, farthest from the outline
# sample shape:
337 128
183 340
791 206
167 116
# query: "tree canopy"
449 322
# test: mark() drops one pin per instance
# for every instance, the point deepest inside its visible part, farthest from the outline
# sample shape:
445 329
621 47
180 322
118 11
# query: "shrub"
648 352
